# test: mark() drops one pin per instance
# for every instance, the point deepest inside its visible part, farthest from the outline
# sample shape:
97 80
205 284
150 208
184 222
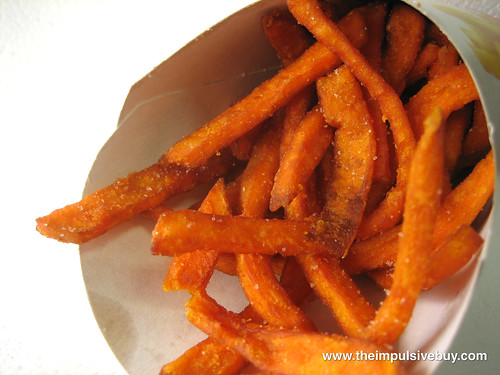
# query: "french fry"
192 271
309 143
428 54
405 35
456 126
415 244
354 152
215 358
286 36
242 146
477 141
283 351
389 211
139 191
447 58
375 15
262 102
474 191
331 283
186 230
255 271
447 260
449 91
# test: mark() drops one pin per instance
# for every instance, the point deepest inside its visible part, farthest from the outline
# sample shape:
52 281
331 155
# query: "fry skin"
283 351
415 244
263 101
192 271
139 191
449 91
187 230
405 35
354 151
308 13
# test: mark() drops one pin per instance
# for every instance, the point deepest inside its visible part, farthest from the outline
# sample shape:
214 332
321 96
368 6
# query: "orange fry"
287 37
405 34
415 245
210 357
375 14
309 143
118 202
428 54
448 259
454 136
332 284
308 13
263 101
449 91
281 351
447 58
473 193
184 231
475 190
242 146
192 271
477 141
354 152
255 271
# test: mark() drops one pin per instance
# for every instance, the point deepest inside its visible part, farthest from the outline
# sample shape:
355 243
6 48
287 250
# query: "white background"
65 71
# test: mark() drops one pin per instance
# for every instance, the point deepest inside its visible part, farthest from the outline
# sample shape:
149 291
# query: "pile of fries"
366 154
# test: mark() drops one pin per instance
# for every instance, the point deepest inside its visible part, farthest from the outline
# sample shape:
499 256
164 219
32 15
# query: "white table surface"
65 70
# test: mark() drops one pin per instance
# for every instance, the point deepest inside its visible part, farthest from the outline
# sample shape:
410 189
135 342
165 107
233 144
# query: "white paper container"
147 328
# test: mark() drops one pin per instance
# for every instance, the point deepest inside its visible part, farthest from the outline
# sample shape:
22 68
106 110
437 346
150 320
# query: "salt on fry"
405 35
192 271
186 230
354 148
262 102
449 91
415 244
114 204
281 351
307 146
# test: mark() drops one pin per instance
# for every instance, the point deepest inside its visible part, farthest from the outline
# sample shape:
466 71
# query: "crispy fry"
187 230
375 14
282 351
192 271
304 153
354 153
390 210
267 296
332 284
447 58
216 358
472 193
428 54
242 146
256 181
287 37
255 271
381 251
449 91
415 244
447 260
262 102
405 34
116 203
454 136
477 141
